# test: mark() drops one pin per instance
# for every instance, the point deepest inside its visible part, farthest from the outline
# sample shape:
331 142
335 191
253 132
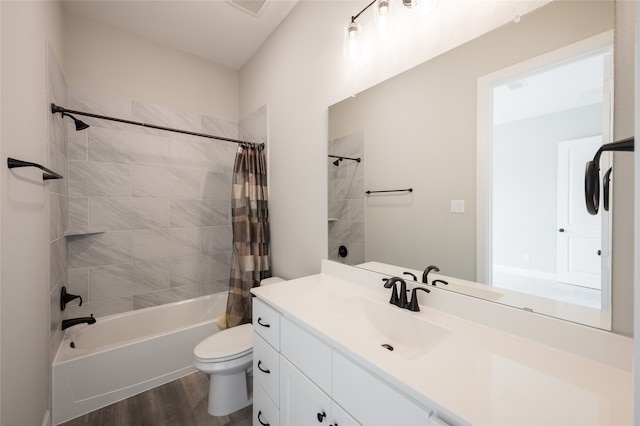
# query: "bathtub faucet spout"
75 321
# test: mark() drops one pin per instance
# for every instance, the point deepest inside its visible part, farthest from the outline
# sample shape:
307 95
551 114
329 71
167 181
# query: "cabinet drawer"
266 367
264 412
307 353
266 322
370 400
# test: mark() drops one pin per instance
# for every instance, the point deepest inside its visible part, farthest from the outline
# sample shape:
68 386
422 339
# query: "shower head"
337 162
80 125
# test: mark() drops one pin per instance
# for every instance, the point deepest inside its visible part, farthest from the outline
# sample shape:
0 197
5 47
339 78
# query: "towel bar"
49 174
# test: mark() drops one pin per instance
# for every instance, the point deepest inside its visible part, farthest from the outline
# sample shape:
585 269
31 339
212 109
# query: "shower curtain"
250 261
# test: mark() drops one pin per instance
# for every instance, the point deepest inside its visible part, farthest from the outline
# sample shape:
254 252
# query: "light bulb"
410 3
384 18
350 47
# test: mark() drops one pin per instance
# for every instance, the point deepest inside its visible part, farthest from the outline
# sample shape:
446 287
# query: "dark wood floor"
182 402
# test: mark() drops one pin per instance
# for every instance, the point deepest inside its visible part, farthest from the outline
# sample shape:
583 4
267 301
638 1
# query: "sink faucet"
425 275
400 300
75 321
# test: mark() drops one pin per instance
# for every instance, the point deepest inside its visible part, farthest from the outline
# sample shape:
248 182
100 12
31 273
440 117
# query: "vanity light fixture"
384 11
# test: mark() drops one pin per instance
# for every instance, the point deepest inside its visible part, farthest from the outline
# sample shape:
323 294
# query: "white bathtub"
125 354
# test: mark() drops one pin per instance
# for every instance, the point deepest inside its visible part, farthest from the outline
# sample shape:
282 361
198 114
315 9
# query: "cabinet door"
339 417
370 400
301 402
308 353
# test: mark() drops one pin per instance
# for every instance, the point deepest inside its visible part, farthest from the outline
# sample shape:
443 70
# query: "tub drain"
387 346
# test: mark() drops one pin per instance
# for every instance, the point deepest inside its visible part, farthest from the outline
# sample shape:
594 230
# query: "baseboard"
530 273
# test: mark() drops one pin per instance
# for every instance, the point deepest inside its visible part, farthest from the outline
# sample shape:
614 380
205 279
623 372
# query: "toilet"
227 356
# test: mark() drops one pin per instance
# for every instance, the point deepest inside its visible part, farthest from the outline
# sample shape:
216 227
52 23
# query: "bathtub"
125 354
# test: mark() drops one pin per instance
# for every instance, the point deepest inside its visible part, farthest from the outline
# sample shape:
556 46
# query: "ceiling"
562 87
211 29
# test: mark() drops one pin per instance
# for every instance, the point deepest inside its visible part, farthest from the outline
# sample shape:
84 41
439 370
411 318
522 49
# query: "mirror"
446 130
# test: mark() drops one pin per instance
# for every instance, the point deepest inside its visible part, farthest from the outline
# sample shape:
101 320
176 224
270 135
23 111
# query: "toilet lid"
227 344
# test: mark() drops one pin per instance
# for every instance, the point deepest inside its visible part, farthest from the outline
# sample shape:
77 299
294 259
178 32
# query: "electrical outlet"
457 206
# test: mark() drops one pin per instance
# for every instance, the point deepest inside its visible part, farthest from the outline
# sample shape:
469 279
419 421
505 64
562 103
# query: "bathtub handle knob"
264 325
260 368
260 420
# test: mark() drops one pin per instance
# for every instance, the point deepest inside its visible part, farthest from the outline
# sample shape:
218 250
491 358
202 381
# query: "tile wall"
57 148
346 199
158 201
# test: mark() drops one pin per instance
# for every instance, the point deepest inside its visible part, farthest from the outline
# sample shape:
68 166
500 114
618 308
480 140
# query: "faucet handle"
410 274
391 282
413 305
439 281
67 297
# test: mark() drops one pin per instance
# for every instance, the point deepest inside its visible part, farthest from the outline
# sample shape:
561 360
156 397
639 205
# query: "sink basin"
381 326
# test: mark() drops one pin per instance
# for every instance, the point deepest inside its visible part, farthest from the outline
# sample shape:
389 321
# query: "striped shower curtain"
250 219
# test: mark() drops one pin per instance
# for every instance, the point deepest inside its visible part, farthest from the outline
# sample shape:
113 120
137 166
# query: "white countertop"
476 374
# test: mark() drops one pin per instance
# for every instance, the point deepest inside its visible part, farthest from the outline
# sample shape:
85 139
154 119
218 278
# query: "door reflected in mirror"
488 200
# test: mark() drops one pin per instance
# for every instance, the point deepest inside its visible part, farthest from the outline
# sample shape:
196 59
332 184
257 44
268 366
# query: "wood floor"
182 402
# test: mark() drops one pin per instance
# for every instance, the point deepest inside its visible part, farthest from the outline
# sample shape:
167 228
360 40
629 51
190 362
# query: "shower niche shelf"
76 232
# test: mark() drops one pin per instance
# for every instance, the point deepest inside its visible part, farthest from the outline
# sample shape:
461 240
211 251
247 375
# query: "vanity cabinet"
313 383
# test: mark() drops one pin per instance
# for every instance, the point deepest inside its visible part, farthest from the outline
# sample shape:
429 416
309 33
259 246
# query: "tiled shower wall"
58 198
159 203
346 199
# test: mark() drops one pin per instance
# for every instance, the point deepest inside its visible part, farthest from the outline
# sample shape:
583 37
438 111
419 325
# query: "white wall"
636 245
622 263
24 322
106 60
300 71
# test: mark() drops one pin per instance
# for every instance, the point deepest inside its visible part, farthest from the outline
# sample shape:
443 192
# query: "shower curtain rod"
55 108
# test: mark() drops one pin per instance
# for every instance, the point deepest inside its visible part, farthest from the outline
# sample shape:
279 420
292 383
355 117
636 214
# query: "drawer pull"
264 325
321 416
260 368
260 420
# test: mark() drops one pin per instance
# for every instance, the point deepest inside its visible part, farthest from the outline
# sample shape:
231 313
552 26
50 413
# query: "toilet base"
228 393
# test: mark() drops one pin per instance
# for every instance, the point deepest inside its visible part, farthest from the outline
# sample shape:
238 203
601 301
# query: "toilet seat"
226 345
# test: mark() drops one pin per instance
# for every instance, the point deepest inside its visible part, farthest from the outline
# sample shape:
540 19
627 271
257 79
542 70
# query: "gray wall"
58 200
525 168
